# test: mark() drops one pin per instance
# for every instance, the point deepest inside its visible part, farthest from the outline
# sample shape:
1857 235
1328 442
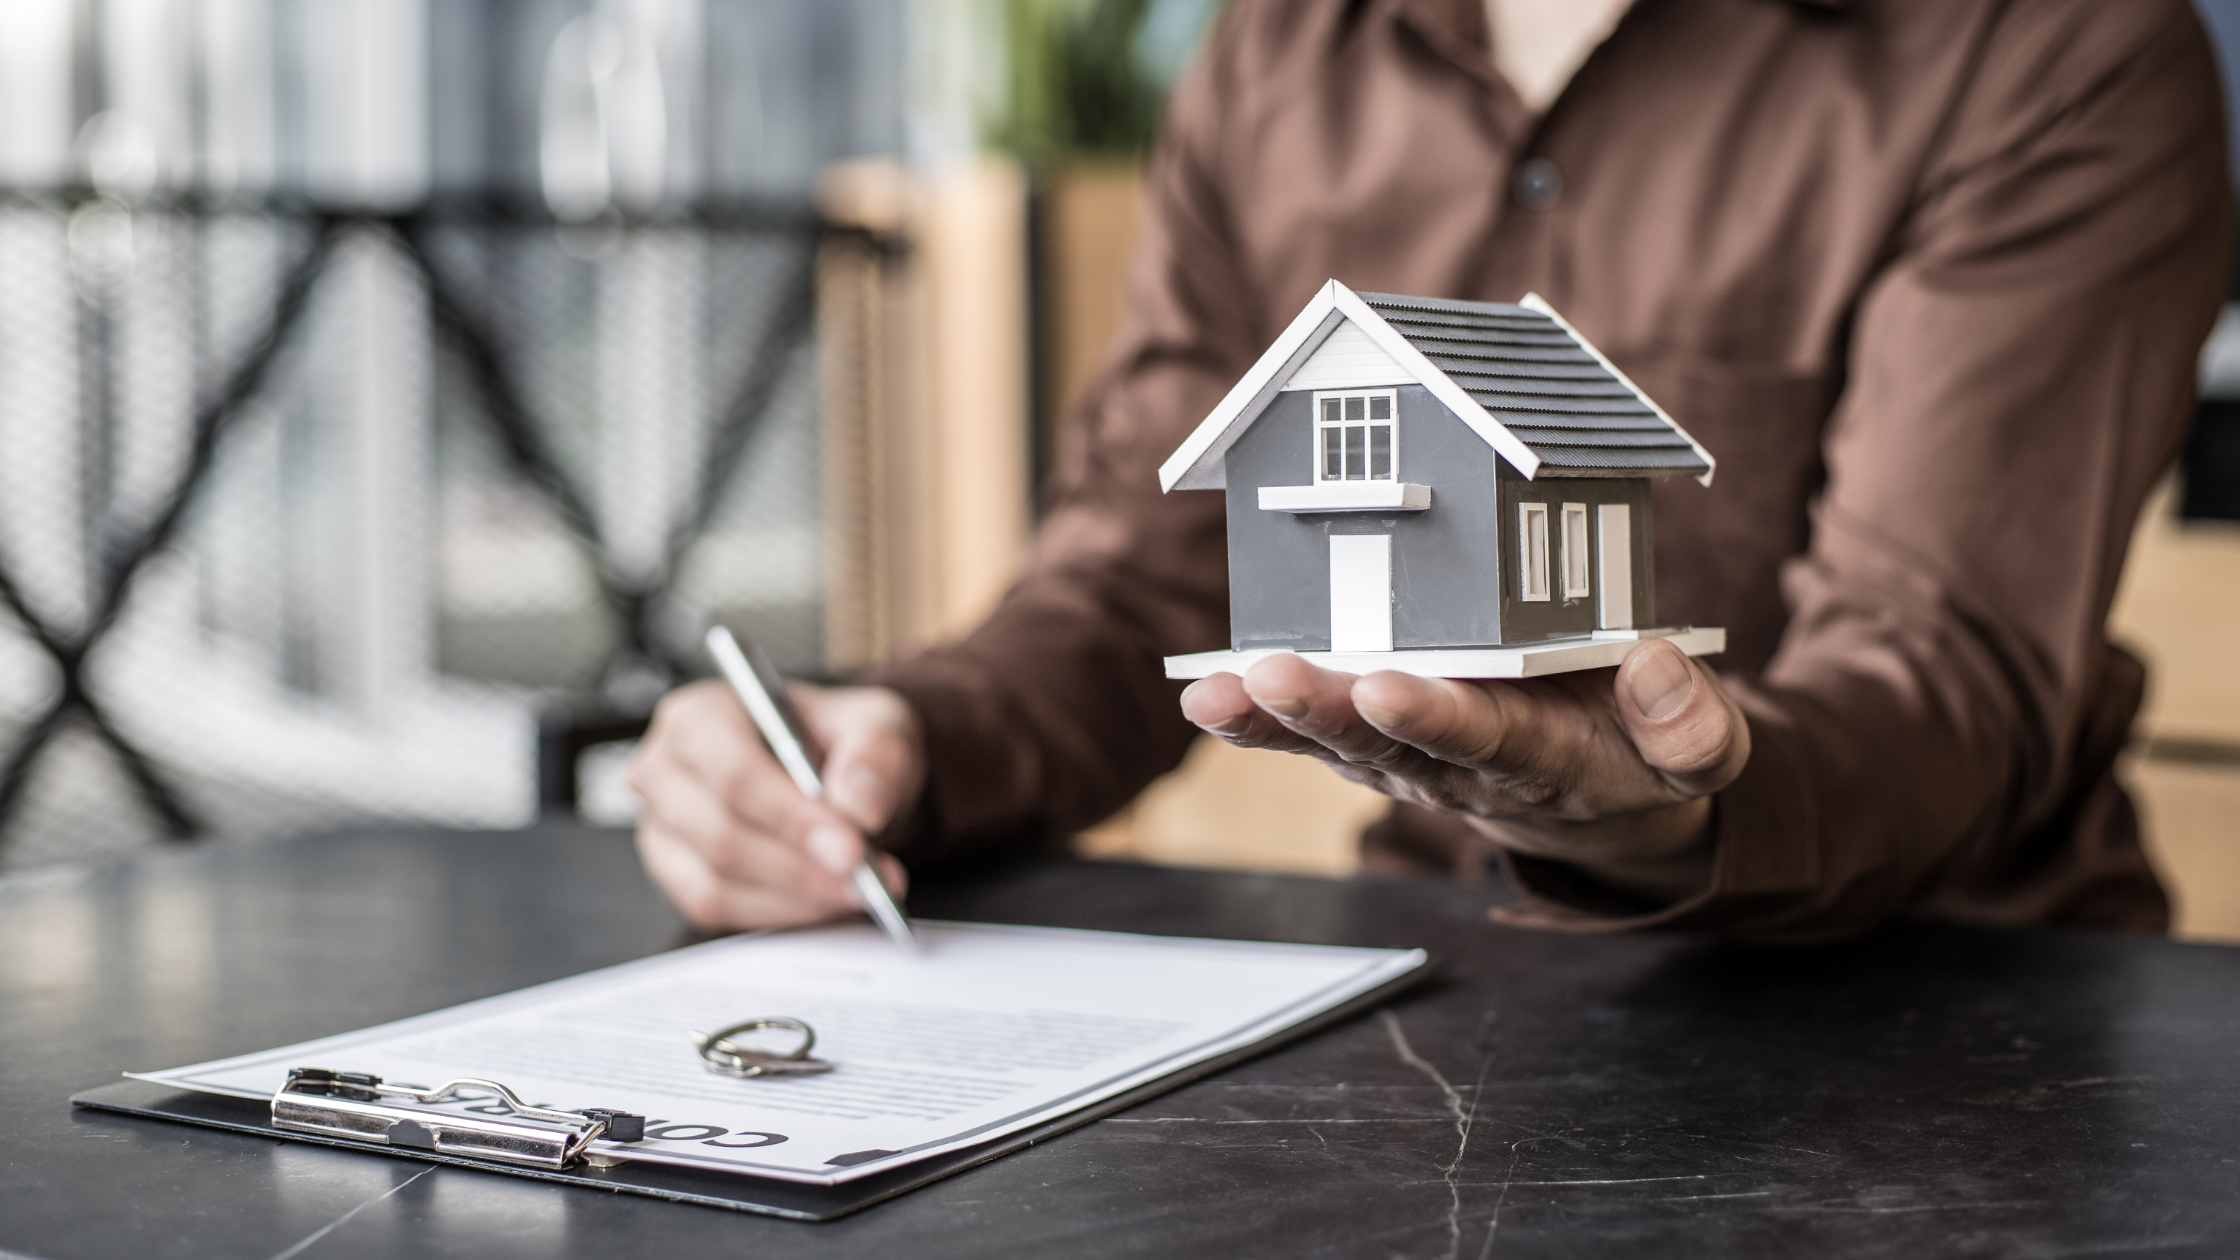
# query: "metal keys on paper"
726 1057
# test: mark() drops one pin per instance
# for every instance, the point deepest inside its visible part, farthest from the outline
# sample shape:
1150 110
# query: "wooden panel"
2189 813
1088 218
2179 609
923 398
973 235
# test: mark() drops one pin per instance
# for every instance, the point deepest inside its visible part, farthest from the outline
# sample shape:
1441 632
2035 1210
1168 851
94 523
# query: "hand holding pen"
729 835
764 694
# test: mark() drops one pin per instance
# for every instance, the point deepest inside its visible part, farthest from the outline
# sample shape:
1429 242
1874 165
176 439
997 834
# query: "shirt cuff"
974 797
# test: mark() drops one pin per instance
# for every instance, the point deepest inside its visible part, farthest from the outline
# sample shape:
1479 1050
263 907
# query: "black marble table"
1933 1091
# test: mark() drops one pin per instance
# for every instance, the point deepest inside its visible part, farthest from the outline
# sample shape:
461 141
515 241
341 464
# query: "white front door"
1615 525
1360 592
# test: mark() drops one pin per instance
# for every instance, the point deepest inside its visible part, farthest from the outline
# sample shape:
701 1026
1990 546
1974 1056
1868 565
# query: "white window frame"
1614 534
1314 454
1577 573
1532 571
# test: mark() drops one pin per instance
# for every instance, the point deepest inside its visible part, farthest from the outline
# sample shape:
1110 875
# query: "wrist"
1663 854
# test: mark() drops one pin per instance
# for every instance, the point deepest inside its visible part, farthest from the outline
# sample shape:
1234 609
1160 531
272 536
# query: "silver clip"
360 1107
725 1057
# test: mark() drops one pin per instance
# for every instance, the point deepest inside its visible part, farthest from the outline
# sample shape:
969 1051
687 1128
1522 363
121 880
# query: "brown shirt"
1928 276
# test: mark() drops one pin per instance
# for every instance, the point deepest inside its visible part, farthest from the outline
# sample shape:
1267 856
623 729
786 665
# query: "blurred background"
392 391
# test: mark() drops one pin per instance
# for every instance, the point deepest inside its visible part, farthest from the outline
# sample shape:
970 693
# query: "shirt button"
1536 183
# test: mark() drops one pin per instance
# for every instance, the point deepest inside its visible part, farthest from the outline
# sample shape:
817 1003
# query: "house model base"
1554 656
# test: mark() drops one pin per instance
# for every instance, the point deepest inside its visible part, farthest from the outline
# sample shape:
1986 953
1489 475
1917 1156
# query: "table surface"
1947 1090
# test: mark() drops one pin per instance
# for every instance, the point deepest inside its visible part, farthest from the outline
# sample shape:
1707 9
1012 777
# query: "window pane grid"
1355 437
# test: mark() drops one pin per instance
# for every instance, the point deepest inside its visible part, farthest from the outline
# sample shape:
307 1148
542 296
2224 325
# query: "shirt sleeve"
2020 372
1056 710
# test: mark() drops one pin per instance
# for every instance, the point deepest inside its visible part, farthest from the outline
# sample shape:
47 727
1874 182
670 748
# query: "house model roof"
1523 379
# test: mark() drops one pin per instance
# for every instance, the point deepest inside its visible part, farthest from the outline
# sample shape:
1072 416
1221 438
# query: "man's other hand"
1611 771
729 838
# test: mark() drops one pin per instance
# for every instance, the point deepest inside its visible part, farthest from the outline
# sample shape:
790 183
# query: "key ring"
724 1057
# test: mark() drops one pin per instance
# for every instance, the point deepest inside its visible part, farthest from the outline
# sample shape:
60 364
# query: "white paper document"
980 1032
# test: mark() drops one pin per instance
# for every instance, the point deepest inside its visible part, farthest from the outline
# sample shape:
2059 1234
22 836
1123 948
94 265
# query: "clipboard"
736 1192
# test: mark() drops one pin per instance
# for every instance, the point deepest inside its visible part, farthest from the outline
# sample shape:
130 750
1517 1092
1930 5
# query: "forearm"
1903 746
1047 718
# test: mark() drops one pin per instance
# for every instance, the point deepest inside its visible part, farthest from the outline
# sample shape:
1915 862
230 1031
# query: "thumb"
1682 721
860 786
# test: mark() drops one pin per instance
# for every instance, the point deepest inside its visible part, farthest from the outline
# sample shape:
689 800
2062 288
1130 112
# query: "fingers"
728 836
711 901
1286 703
1220 706
1561 743
702 732
706 774
1611 776
1315 710
1450 720
689 796
1317 704
874 751
1501 749
1680 724
1681 720
892 875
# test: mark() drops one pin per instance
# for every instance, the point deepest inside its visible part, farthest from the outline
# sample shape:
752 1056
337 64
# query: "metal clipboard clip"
359 1107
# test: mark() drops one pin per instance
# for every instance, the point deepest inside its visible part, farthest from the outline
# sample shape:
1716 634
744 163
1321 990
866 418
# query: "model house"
1462 485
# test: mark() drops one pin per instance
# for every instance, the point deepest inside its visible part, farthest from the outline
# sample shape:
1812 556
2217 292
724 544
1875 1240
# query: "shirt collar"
1462 22
1456 28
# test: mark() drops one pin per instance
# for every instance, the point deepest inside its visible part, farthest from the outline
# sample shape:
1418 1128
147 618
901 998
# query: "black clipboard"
737 1192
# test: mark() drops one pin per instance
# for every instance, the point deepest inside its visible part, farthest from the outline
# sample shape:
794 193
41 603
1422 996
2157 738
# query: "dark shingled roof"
1541 384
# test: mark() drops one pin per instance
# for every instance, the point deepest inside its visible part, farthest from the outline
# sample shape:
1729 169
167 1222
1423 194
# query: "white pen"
764 694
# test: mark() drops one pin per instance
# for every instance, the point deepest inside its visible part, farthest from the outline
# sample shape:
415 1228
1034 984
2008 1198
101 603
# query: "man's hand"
728 837
1608 770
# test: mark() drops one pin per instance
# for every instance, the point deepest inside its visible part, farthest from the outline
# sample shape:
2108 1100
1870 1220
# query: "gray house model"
1456 489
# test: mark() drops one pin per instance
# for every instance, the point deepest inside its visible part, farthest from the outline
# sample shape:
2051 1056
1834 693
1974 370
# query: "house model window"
1575 576
1532 548
1353 436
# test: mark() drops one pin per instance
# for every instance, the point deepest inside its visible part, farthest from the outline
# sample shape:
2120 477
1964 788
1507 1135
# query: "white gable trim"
1508 445
1533 301
1348 359
1197 463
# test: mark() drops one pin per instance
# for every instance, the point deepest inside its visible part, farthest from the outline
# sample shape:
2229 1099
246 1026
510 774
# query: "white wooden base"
1556 656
